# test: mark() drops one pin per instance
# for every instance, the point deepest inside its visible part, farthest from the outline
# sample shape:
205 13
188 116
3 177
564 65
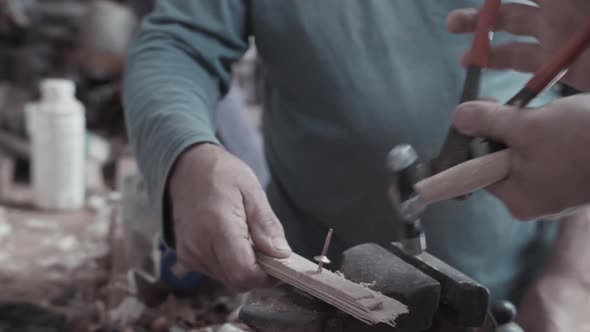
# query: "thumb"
486 119
264 226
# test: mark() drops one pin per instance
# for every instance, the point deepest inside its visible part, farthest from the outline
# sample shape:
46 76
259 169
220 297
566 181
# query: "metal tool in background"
494 165
457 147
439 297
403 163
550 73
432 289
504 315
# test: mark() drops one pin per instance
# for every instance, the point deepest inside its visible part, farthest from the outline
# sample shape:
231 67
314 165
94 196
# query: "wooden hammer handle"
465 178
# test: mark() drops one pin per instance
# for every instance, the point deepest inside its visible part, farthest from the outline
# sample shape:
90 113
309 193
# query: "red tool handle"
549 73
564 57
481 40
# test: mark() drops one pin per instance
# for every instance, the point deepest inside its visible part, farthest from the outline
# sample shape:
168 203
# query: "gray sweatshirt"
347 81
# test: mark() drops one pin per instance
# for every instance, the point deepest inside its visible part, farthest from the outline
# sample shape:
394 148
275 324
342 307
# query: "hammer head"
405 168
402 162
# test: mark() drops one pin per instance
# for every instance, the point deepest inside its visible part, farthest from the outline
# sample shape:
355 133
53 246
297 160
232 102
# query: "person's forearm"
164 113
571 252
176 67
559 300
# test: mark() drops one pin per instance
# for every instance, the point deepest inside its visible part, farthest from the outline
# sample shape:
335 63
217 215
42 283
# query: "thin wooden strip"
323 286
345 299
362 314
310 287
309 269
355 312
362 303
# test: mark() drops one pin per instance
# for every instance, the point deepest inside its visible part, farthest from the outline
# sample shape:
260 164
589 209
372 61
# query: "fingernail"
281 244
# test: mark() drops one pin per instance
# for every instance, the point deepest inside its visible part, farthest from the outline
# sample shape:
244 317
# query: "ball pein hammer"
493 167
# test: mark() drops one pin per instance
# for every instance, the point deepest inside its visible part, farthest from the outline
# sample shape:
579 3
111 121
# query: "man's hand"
551 22
550 166
220 212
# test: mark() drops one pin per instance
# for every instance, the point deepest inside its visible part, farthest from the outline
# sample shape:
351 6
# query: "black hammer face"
405 170
403 164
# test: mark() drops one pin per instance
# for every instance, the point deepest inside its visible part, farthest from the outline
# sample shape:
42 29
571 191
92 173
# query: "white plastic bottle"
57 128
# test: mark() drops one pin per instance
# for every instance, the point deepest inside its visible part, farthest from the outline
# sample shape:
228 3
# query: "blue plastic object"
168 259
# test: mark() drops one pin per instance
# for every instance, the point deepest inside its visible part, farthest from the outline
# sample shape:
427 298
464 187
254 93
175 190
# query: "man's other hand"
559 300
550 166
550 22
555 303
221 215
